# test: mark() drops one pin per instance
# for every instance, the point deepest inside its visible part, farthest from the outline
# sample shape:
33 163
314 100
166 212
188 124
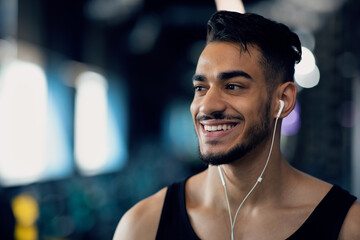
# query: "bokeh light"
291 124
91 140
307 74
308 80
23 110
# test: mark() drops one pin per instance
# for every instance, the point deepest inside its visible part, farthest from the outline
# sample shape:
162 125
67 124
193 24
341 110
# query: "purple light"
291 124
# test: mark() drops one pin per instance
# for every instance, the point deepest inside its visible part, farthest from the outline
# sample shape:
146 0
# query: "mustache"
219 116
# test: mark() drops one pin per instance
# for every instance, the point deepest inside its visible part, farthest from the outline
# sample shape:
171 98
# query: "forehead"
218 57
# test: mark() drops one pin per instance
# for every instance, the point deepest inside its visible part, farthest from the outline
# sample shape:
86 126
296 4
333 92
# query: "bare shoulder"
350 229
313 188
351 226
142 220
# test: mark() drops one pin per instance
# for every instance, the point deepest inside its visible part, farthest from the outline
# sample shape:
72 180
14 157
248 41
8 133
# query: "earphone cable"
232 222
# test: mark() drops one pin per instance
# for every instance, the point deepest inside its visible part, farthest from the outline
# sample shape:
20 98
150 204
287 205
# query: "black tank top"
324 222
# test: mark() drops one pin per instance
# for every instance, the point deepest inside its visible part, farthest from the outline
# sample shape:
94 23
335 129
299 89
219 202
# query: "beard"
254 136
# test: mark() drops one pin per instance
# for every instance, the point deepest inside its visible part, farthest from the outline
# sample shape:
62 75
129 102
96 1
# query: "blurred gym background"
95 96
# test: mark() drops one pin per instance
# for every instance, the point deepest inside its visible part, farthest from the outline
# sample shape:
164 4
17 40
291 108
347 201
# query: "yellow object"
26 212
26 233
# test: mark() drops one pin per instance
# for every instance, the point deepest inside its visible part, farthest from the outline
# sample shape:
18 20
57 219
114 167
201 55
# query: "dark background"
79 207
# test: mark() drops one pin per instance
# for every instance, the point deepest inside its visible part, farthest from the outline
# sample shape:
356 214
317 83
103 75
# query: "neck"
242 175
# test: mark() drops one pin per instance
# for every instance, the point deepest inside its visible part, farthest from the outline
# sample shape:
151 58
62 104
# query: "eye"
199 88
234 87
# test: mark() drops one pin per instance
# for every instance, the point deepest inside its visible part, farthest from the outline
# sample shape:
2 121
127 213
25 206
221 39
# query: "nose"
212 103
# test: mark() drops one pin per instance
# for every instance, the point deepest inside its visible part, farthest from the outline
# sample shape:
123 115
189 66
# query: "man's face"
231 106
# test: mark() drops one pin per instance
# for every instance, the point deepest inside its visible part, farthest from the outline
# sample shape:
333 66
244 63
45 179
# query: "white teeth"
222 127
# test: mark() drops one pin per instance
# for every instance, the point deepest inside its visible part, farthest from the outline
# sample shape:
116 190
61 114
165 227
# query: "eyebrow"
232 74
199 77
224 76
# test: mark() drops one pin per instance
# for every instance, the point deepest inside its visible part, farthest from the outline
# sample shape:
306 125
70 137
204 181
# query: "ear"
286 92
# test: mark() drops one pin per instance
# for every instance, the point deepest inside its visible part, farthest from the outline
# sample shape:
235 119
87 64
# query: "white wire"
232 222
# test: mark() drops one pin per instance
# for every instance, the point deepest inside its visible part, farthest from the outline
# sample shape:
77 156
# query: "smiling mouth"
220 127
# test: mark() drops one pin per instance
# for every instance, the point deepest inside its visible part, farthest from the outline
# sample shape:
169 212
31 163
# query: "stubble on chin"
253 138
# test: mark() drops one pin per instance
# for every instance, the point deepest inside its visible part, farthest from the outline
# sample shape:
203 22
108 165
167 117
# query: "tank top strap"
174 221
327 218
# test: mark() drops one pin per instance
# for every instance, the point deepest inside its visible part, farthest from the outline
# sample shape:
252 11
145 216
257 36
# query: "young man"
243 87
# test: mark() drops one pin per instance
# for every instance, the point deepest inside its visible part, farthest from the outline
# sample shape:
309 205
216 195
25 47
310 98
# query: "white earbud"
282 104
